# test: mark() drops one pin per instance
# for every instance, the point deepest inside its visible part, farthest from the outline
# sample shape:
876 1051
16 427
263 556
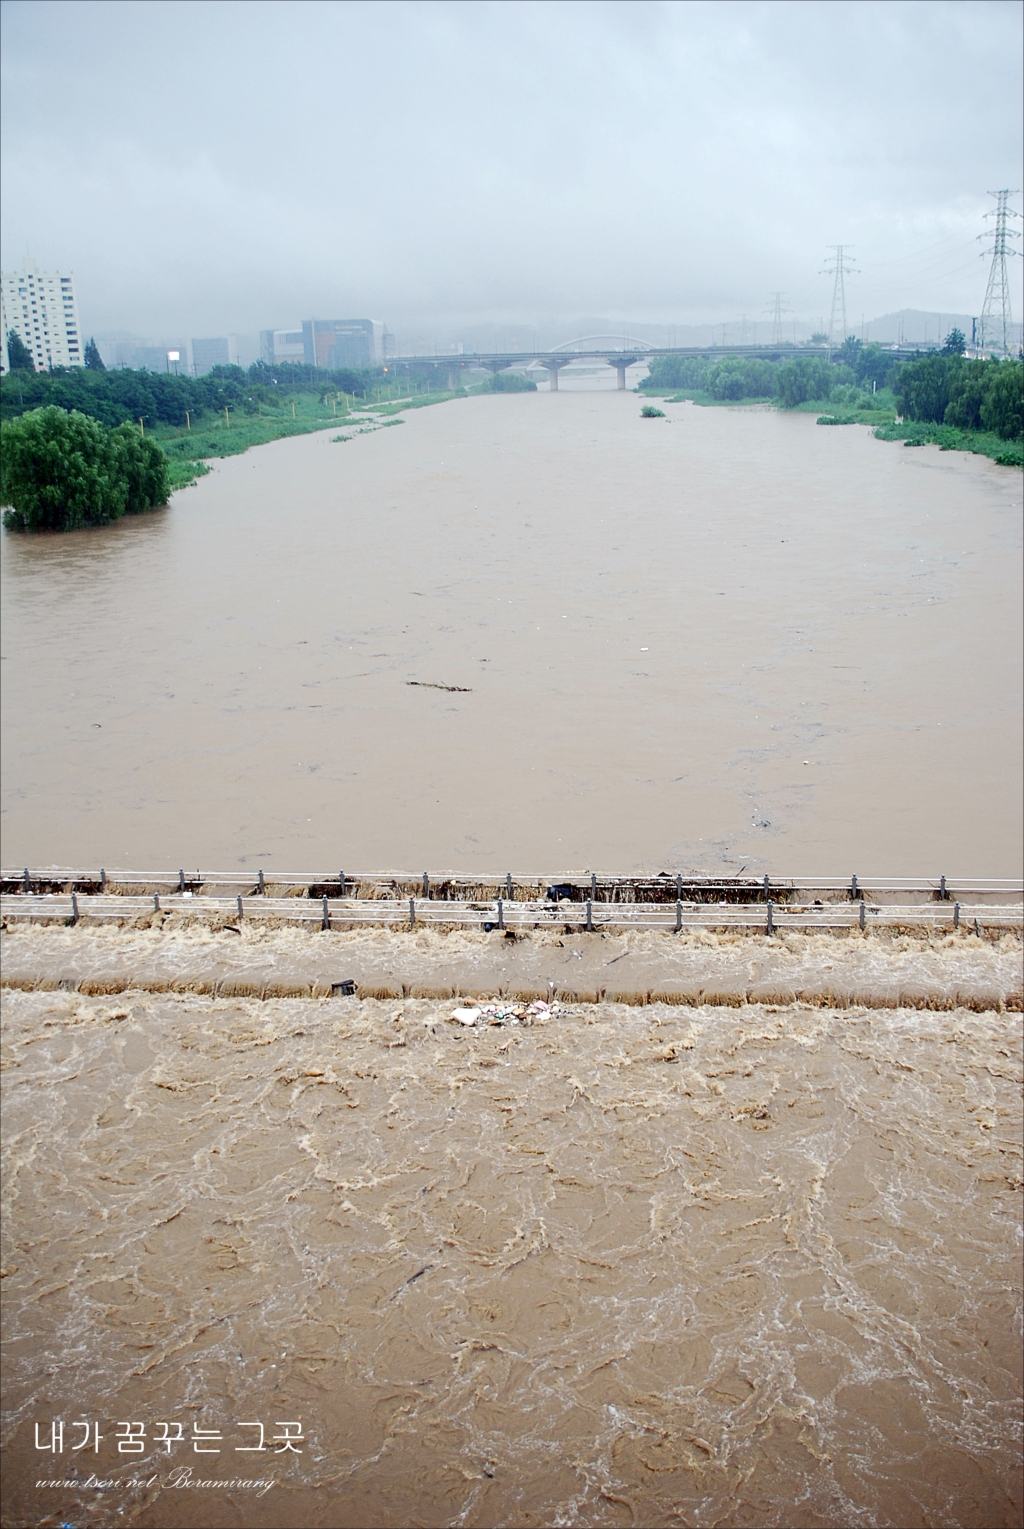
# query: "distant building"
143 355
206 354
40 307
277 345
245 349
336 343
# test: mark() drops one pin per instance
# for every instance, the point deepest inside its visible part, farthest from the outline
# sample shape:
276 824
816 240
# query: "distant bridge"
621 352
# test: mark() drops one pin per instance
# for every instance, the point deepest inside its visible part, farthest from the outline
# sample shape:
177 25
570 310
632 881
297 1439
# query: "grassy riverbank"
189 450
982 443
881 415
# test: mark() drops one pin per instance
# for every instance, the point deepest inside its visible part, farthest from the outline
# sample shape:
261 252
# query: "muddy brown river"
729 638
747 1258
654 1266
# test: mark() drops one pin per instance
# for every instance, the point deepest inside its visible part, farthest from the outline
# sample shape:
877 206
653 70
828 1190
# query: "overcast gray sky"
207 166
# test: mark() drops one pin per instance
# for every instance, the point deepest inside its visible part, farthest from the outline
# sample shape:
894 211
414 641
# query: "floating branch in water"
433 685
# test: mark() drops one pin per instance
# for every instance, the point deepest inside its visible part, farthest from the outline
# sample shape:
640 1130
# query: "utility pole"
996 317
837 266
777 307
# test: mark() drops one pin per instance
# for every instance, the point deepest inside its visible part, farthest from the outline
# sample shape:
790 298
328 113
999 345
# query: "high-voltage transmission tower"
777 307
837 265
996 317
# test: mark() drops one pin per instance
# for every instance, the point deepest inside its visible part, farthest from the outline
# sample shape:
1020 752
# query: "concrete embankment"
878 970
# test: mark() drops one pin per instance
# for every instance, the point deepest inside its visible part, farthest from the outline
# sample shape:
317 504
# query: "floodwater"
729 638
298 1261
659 1266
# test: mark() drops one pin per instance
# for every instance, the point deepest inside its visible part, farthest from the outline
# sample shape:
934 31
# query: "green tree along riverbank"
960 404
222 413
160 430
60 470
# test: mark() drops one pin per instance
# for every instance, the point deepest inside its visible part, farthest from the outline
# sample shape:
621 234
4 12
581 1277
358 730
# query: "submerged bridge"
621 352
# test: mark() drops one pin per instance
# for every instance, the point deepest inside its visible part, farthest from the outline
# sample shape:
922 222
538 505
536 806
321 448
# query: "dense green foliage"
508 382
735 378
60 471
93 359
120 396
686 372
792 379
944 389
803 380
19 356
940 388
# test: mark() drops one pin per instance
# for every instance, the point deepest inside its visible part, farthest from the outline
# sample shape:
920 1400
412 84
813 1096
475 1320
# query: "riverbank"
883 420
190 450
980 443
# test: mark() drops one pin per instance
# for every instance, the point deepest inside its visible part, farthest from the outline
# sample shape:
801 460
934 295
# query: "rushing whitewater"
619 1265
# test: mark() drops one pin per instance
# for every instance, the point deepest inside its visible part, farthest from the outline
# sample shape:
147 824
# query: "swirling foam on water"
663 1265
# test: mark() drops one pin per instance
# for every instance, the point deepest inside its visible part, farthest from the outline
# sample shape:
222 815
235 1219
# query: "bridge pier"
554 367
620 363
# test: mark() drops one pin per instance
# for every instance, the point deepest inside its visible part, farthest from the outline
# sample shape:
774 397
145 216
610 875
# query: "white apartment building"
40 307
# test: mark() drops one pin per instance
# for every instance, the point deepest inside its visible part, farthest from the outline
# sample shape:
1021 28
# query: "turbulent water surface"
726 638
660 1266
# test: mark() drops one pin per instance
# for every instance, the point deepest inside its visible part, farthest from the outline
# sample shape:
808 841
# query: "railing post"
263 885
863 914
853 890
103 880
771 922
26 880
943 894
412 912
326 916
426 885
501 914
241 913
74 908
956 915
341 883
508 885
156 902
679 914
590 916
181 881
767 888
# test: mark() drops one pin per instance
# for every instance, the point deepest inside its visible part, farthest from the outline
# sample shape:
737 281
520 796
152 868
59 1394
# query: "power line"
996 317
836 265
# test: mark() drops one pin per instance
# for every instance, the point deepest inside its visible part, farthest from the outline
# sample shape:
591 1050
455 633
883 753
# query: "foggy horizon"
447 167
